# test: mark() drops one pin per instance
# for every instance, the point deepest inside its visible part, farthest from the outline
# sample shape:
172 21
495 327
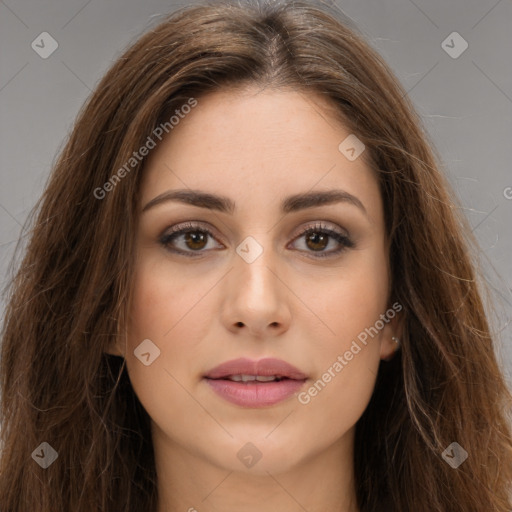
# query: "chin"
259 455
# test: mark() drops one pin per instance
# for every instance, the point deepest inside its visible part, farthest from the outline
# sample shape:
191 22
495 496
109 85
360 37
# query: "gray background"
465 102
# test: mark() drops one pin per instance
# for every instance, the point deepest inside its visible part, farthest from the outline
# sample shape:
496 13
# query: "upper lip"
262 367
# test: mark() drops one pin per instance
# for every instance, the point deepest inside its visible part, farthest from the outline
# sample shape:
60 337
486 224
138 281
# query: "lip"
255 394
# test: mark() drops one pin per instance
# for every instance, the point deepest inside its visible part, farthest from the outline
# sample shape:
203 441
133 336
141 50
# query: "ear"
392 331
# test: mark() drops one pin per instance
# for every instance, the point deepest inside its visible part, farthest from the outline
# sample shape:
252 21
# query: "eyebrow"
224 204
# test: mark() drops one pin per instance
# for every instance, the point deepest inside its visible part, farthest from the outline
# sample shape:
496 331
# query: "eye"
318 238
194 238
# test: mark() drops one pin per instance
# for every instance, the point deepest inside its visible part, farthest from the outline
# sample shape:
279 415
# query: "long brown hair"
70 297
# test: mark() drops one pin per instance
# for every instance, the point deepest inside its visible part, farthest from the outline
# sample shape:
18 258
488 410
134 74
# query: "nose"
257 299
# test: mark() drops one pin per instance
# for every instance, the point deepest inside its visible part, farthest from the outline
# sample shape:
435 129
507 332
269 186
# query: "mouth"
254 384
254 378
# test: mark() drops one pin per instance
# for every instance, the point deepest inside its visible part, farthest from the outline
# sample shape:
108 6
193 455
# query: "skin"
288 303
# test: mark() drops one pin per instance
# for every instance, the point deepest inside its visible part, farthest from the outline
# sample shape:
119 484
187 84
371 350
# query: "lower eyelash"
344 241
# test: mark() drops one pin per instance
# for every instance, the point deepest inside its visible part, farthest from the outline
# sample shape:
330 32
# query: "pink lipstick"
250 383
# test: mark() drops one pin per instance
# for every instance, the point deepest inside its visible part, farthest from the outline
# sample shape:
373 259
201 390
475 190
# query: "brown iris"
319 240
192 238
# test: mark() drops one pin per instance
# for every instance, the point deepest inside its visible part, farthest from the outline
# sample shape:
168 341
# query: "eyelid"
183 227
190 224
320 225
340 235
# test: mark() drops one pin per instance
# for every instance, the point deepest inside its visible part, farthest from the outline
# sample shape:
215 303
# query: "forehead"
256 144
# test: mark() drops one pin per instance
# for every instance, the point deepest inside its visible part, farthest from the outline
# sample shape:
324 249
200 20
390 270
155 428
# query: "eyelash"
176 231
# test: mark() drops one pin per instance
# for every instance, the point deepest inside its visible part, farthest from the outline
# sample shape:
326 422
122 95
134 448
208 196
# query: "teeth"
250 378
261 378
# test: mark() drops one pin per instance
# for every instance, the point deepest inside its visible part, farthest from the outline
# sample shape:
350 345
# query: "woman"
247 285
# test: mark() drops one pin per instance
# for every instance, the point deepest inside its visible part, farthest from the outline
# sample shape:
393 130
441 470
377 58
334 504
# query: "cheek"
158 311
352 298
166 309
348 355
164 301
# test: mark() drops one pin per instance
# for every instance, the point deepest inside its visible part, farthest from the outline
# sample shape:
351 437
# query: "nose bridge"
254 263
256 297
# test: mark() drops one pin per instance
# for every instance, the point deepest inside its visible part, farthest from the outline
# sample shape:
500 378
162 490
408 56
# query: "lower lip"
255 394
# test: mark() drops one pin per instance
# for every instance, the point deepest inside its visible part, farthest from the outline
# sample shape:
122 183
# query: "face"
258 275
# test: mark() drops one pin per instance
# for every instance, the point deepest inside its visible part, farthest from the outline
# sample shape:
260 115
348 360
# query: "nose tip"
255 303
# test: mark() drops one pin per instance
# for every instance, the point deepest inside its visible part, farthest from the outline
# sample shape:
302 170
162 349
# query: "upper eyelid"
202 225
189 225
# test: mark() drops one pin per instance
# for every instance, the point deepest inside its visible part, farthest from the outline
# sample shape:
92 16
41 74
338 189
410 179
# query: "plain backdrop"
464 96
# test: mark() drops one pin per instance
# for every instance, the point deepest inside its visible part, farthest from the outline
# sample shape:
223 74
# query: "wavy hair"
69 297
